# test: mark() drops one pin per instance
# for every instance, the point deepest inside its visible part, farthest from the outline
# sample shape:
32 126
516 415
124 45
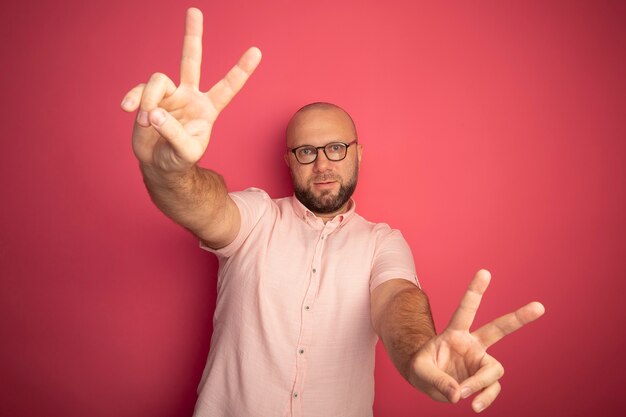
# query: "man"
306 286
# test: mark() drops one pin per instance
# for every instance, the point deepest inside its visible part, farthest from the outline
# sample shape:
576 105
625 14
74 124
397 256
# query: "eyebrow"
342 141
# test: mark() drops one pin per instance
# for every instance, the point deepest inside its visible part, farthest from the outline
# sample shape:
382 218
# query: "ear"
359 152
287 160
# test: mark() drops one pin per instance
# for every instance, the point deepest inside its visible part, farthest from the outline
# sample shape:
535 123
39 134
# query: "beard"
326 202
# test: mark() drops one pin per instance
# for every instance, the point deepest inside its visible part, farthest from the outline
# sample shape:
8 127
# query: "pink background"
493 136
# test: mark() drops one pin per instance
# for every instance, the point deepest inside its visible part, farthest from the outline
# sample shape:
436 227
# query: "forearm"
404 324
196 199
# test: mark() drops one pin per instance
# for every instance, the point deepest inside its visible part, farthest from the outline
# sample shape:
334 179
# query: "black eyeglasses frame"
317 148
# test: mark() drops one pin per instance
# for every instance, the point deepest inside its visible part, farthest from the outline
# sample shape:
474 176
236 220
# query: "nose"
322 163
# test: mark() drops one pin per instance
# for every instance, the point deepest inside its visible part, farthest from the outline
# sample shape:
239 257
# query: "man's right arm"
197 200
172 132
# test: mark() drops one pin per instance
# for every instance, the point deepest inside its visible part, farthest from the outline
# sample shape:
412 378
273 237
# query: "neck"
326 217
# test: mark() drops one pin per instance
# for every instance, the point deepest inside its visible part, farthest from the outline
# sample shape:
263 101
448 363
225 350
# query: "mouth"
324 184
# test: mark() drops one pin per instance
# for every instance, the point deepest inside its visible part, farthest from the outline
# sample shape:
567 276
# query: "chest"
293 269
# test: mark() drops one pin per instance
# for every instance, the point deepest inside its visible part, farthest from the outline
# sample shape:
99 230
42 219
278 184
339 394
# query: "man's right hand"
172 132
173 125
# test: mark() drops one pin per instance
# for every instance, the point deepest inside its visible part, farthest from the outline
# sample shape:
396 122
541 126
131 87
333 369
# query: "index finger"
466 311
191 60
492 332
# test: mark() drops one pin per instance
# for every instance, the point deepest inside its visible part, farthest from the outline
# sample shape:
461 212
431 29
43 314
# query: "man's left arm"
402 318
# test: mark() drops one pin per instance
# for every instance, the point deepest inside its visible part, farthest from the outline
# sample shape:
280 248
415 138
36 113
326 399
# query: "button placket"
306 324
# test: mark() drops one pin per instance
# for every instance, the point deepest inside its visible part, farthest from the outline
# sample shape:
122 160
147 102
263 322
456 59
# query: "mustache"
325 178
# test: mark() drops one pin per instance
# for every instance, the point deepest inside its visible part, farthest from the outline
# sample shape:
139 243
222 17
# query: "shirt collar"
308 216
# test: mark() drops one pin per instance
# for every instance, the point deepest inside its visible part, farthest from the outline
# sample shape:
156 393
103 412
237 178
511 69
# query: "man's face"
324 186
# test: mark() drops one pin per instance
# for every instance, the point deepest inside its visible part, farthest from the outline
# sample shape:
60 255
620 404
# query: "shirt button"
307 308
322 237
301 351
314 270
295 395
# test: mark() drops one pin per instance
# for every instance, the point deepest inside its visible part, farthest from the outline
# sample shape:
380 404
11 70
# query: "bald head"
318 120
323 185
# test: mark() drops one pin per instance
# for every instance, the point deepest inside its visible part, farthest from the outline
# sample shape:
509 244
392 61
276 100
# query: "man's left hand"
455 363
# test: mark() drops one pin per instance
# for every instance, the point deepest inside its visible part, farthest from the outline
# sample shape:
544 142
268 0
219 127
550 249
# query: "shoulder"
251 196
380 231
257 203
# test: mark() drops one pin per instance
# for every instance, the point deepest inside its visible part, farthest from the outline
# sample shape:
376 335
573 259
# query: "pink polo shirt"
292 330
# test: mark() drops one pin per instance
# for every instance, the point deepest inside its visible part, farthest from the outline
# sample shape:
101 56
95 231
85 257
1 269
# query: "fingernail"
142 118
158 117
466 392
127 103
451 394
478 407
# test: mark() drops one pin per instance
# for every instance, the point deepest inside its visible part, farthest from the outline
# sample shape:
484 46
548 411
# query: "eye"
306 151
335 147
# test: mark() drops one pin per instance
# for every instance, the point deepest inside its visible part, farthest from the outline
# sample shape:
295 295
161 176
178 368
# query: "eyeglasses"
334 151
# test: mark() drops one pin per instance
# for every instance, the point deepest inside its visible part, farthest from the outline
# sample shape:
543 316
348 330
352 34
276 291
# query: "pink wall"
493 136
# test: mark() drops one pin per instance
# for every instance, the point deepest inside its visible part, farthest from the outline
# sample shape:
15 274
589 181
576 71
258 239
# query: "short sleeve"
392 259
253 203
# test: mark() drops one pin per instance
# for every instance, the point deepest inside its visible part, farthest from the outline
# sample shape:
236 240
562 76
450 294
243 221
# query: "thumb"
169 128
442 386
447 386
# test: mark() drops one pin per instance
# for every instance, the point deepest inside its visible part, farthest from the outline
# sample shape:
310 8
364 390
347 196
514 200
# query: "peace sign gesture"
455 363
174 123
